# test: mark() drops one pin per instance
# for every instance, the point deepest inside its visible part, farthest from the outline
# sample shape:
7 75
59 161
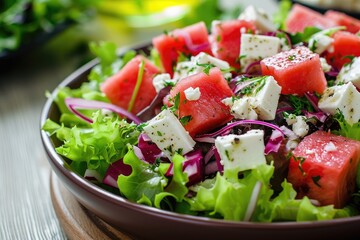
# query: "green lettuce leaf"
105 140
230 197
346 129
143 183
280 16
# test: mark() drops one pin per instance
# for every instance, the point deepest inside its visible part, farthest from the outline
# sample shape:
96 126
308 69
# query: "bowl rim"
57 161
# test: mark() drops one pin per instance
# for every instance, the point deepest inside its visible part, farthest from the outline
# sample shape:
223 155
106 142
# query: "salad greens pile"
23 20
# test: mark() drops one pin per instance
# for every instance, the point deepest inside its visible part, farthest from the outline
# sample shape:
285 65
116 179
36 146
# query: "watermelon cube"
119 87
323 167
345 46
207 112
301 17
297 71
190 40
352 24
226 37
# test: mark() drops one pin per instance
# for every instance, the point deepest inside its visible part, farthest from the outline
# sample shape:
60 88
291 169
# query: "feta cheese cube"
267 99
262 20
166 131
346 98
257 47
350 73
160 81
241 152
192 94
184 69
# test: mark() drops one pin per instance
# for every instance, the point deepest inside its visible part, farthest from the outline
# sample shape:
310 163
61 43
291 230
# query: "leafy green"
299 104
23 20
143 183
286 208
303 36
280 16
346 129
230 197
104 140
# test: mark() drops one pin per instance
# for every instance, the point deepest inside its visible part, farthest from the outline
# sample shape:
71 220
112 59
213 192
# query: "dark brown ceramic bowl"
145 222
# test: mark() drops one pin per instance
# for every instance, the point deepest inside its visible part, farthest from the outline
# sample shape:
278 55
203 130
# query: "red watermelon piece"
352 24
208 112
324 167
226 38
191 40
119 88
345 44
297 71
301 17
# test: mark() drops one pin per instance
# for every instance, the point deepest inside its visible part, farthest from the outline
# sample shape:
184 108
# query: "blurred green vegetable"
22 21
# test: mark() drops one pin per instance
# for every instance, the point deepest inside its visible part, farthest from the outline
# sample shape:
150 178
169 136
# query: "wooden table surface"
26 210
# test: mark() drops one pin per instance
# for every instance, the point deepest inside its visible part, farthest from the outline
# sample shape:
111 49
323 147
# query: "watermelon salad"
254 119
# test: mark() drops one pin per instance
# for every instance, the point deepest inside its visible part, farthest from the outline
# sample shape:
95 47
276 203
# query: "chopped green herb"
185 120
206 66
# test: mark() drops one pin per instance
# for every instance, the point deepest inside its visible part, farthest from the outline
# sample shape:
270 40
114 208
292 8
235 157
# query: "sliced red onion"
75 103
218 161
242 85
211 168
284 109
209 155
115 169
321 116
205 139
250 66
193 166
92 175
188 41
253 201
237 123
138 153
312 98
148 149
274 142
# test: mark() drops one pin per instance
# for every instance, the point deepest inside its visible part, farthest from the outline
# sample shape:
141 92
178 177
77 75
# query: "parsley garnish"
206 66
185 120
299 104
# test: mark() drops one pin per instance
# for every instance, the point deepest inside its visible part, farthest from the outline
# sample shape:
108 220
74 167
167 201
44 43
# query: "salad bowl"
143 222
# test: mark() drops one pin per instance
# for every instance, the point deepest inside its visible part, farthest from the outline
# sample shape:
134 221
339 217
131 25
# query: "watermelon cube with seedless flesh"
199 101
297 71
190 40
323 167
120 87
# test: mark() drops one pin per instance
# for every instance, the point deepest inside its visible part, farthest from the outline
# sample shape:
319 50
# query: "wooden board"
76 221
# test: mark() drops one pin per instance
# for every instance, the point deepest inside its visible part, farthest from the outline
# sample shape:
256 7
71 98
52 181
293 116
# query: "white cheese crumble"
324 65
261 103
192 94
330 147
161 80
298 123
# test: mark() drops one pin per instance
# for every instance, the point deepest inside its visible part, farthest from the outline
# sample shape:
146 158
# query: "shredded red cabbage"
149 112
313 99
113 172
75 103
274 142
193 166
149 149
252 65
